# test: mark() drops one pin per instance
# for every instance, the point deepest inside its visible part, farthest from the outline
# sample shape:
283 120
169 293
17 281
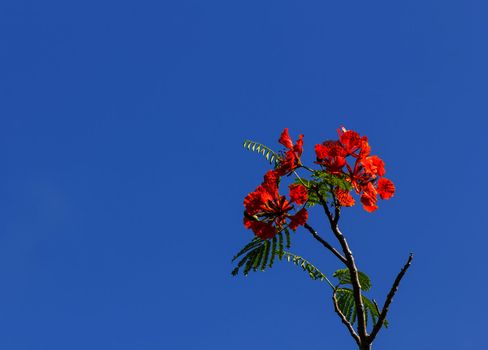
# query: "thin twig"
389 299
345 321
325 243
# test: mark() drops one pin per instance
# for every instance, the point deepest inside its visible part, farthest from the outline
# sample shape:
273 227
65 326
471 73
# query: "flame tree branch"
350 264
345 321
389 299
325 243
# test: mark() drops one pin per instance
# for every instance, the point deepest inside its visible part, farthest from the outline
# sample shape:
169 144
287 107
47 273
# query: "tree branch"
344 320
389 299
351 265
356 286
325 243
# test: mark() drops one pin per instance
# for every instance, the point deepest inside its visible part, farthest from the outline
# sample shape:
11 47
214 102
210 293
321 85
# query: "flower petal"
344 197
298 193
285 139
300 218
385 188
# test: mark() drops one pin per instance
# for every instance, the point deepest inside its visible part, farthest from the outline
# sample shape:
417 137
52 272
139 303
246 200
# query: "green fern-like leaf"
280 246
313 272
345 278
326 178
347 305
273 252
271 156
266 250
260 254
251 245
317 190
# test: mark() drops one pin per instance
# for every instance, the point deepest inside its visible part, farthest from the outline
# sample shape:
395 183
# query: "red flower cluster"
268 213
366 176
291 160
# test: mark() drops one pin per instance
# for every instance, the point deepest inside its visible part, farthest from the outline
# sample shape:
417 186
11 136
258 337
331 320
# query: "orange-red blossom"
267 213
365 173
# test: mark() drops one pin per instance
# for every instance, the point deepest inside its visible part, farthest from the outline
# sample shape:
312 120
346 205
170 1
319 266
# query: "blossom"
291 159
260 229
267 212
332 155
368 198
373 166
344 197
299 219
350 140
350 158
385 188
298 193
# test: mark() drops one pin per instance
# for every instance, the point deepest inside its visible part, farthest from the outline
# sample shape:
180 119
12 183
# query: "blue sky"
121 126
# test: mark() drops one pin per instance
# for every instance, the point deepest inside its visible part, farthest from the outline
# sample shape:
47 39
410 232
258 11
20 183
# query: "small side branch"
389 299
345 321
325 243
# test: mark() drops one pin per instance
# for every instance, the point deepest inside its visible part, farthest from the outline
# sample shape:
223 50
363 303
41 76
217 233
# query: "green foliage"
321 186
345 278
347 305
345 297
312 188
324 178
260 254
267 152
312 271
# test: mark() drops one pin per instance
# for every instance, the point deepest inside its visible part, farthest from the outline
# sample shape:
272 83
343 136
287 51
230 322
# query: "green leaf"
267 152
322 177
313 272
258 257
347 305
250 261
280 246
266 250
273 252
345 278
256 254
253 244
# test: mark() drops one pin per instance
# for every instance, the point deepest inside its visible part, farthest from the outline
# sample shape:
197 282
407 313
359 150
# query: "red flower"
385 188
365 148
368 198
260 229
291 161
351 141
298 193
364 173
373 166
332 155
285 139
300 218
344 197
266 212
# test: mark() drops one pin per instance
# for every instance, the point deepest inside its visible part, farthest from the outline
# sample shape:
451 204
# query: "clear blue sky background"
123 174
